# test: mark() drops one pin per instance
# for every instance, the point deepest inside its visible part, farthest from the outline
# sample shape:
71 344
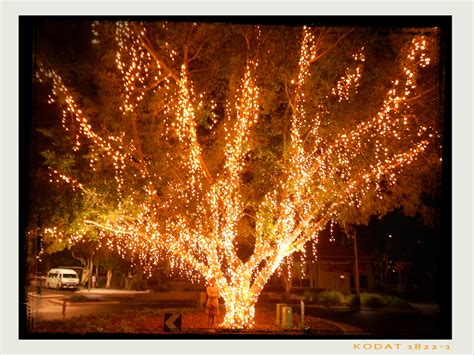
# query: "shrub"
329 298
351 301
311 294
377 300
372 300
395 302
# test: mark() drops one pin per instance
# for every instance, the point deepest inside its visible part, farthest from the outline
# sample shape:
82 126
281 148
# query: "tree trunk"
84 276
239 308
242 295
85 273
109 278
89 274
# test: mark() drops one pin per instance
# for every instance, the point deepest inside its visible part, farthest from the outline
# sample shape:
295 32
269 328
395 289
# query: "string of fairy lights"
350 80
195 227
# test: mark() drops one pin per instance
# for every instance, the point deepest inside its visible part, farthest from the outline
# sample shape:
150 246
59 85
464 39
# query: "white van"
59 278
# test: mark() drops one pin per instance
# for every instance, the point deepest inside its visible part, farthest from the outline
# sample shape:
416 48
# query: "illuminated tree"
226 154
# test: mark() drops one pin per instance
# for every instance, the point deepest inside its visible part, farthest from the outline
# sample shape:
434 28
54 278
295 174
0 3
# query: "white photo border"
462 153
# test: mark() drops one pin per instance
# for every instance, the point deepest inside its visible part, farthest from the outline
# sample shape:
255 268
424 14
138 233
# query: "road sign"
172 322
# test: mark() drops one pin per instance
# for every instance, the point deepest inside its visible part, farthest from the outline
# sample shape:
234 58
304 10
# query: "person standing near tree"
212 305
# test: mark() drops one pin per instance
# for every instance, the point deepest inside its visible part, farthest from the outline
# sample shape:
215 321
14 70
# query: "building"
332 269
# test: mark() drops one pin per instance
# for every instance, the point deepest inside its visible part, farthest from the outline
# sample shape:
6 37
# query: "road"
49 305
386 324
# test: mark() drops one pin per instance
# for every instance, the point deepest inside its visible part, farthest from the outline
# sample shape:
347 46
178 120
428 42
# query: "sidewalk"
110 292
425 308
348 329
40 295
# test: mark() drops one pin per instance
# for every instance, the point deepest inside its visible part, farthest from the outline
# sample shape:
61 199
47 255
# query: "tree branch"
196 55
420 95
81 259
293 108
148 46
332 46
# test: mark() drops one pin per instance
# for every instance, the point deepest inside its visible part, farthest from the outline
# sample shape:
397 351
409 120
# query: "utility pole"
356 267
351 232
38 245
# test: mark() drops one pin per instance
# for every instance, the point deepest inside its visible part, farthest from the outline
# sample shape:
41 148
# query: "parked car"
62 278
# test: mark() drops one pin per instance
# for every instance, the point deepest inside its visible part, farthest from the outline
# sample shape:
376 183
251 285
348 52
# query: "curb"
346 329
83 303
110 292
36 295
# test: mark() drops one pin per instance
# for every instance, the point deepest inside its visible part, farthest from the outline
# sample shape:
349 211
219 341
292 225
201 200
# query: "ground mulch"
151 321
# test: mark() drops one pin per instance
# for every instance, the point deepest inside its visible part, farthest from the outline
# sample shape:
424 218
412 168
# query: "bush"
351 301
311 294
329 298
395 302
372 300
377 301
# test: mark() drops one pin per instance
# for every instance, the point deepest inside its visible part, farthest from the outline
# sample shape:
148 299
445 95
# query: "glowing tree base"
240 311
239 318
